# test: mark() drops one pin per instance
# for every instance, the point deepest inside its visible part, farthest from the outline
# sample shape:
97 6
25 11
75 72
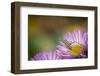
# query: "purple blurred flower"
46 55
74 45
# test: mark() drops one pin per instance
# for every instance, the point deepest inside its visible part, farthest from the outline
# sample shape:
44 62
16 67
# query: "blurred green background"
44 32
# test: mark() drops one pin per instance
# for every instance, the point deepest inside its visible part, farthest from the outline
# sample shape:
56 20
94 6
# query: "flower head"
46 55
74 45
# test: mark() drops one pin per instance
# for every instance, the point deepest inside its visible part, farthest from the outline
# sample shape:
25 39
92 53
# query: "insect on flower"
74 45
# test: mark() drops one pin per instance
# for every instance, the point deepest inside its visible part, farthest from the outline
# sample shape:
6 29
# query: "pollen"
76 49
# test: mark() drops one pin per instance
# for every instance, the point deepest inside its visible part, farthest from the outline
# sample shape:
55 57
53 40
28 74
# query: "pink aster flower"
46 55
74 45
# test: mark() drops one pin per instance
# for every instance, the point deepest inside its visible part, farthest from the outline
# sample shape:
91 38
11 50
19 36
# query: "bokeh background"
44 32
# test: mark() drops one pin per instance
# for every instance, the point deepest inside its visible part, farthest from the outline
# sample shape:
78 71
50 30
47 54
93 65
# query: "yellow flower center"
76 49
